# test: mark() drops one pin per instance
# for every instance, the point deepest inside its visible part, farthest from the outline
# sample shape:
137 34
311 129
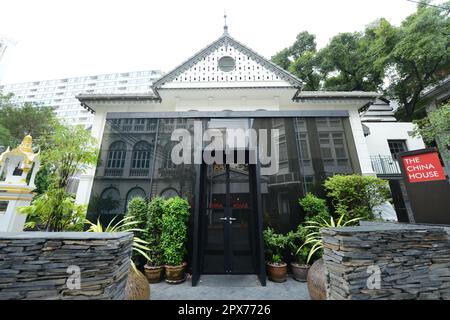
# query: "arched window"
116 155
141 155
133 193
168 193
110 201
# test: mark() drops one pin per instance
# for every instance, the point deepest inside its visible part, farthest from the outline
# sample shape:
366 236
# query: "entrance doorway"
229 219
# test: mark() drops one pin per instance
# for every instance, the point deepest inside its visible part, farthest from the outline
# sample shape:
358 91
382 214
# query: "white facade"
60 93
382 132
253 84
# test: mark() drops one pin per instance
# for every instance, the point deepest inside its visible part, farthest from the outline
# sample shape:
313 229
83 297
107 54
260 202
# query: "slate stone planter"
37 265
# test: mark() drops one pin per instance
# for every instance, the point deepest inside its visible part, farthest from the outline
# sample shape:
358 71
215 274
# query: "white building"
227 86
385 138
60 93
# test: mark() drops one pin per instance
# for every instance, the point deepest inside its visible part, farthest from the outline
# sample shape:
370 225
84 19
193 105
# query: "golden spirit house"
233 134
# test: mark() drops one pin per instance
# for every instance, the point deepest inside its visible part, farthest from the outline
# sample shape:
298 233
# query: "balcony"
139 172
291 177
385 165
113 172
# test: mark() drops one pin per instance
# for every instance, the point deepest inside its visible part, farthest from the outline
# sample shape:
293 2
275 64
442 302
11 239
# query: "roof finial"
225 27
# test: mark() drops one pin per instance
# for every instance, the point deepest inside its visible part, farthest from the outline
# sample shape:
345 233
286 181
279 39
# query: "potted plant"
137 210
275 243
299 265
154 268
137 285
174 236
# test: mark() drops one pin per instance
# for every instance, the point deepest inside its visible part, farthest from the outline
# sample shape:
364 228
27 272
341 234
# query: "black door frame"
198 236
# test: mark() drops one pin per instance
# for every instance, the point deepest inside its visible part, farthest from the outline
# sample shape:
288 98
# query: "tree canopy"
16 121
72 151
435 128
420 55
400 61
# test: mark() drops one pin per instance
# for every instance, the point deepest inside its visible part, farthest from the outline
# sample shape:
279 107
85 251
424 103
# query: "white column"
360 143
87 179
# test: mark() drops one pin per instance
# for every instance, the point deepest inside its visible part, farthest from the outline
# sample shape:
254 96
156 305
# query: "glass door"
214 214
241 219
228 219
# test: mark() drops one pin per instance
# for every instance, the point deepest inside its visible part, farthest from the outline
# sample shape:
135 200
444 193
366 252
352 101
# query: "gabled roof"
251 69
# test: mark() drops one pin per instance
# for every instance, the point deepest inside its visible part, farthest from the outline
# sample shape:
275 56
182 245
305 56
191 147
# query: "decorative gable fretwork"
242 67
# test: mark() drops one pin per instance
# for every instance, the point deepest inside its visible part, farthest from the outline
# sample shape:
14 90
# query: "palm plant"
127 224
313 238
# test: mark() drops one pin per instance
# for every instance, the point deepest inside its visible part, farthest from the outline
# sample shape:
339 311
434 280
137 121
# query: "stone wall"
387 261
43 265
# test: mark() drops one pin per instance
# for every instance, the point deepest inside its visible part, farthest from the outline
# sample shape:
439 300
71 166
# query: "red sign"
423 167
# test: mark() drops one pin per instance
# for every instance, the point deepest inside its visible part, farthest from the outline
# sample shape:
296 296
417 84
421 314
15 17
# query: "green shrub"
154 231
126 224
137 208
275 244
302 255
356 195
297 238
315 208
55 210
313 241
174 230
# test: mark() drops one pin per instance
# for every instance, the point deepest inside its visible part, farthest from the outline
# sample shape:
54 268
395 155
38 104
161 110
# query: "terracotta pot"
317 281
175 274
137 286
277 272
300 271
154 274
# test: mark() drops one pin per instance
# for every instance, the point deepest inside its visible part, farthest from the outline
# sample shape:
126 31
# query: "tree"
436 128
420 55
349 64
282 58
16 121
300 60
72 151
304 42
400 61
5 138
43 179
305 67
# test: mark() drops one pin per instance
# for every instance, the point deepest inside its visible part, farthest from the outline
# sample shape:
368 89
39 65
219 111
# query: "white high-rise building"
60 93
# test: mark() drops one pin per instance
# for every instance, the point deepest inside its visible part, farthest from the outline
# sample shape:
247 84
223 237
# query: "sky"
68 38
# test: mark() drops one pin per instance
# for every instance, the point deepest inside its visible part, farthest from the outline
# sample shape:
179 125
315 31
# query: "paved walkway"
230 287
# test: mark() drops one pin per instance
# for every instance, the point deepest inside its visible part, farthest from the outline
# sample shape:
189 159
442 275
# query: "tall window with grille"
116 159
140 159
333 146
